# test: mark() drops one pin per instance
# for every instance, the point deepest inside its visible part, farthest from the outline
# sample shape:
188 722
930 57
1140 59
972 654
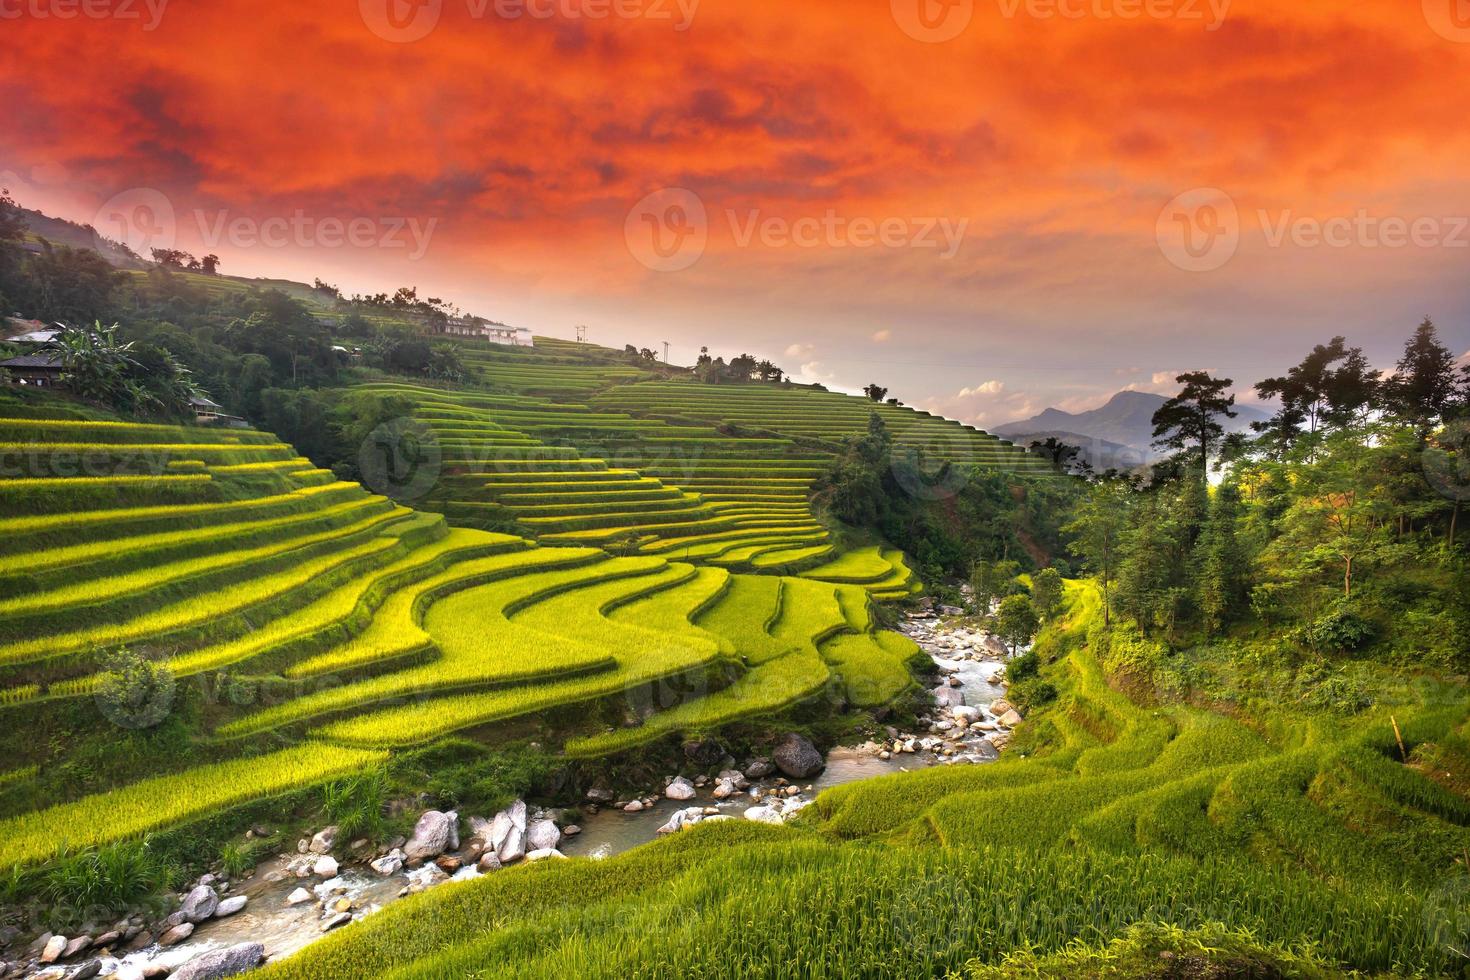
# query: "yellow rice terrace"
559 660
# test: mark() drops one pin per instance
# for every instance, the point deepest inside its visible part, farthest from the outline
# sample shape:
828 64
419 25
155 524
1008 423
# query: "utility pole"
666 353
581 334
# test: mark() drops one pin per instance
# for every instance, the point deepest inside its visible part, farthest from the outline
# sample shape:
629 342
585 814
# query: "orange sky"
1044 136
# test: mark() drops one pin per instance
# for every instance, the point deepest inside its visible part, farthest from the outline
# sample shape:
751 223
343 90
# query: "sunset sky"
968 202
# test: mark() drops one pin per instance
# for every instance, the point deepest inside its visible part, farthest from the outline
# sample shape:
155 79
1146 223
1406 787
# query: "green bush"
136 693
1341 630
1030 694
1024 666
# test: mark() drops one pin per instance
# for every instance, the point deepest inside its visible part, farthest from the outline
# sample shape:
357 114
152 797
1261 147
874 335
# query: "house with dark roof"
41 370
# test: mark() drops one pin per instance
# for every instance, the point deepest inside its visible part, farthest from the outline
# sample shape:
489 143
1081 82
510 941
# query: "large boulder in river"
948 697
543 836
222 962
199 904
508 833
797 757
434 834
323 841
758 768
680 789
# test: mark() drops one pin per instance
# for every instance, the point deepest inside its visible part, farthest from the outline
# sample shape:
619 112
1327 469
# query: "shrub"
1341 630
355 804
136 693
107 879
1024 666
1031 693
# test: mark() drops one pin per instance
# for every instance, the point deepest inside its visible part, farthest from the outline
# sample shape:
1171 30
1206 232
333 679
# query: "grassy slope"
1112 832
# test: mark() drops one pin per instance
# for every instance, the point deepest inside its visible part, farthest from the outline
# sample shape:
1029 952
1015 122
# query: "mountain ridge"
1121 427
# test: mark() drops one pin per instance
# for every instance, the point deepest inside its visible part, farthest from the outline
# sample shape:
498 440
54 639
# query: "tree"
1189 423
1046 592
1220 564
1058 454
704 359
1097 531
172 258
445 363
68 285
1425 384
991 580
1016 622
209 265
876 393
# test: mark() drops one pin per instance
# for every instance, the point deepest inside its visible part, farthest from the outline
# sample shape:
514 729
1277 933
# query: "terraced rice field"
815 418
224 555
563 473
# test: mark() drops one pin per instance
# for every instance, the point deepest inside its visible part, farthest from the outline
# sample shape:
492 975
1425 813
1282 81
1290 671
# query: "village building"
42 370
478 328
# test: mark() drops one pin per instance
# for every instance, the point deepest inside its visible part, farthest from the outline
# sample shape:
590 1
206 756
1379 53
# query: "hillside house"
35 370
478 328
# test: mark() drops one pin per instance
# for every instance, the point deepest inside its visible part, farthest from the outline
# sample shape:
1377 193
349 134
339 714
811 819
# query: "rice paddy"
1313 843
644 550
376 627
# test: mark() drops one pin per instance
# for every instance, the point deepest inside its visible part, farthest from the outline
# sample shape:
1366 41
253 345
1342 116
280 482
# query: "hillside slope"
1293 842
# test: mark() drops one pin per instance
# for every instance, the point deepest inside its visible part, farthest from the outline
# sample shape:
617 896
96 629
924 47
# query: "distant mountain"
1119 433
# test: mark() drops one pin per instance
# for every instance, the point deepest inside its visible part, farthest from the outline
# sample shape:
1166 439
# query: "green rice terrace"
211 649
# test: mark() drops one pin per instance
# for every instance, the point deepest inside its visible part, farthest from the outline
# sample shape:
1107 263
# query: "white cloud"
986 404
800 351
987 388
882 336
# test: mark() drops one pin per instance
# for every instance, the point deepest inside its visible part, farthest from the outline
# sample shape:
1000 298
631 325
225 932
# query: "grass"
1117 831
168 801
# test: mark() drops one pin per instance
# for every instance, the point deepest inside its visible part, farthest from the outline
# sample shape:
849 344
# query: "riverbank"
295 898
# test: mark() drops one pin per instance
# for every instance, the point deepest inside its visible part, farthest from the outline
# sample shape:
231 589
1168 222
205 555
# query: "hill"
1121 429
